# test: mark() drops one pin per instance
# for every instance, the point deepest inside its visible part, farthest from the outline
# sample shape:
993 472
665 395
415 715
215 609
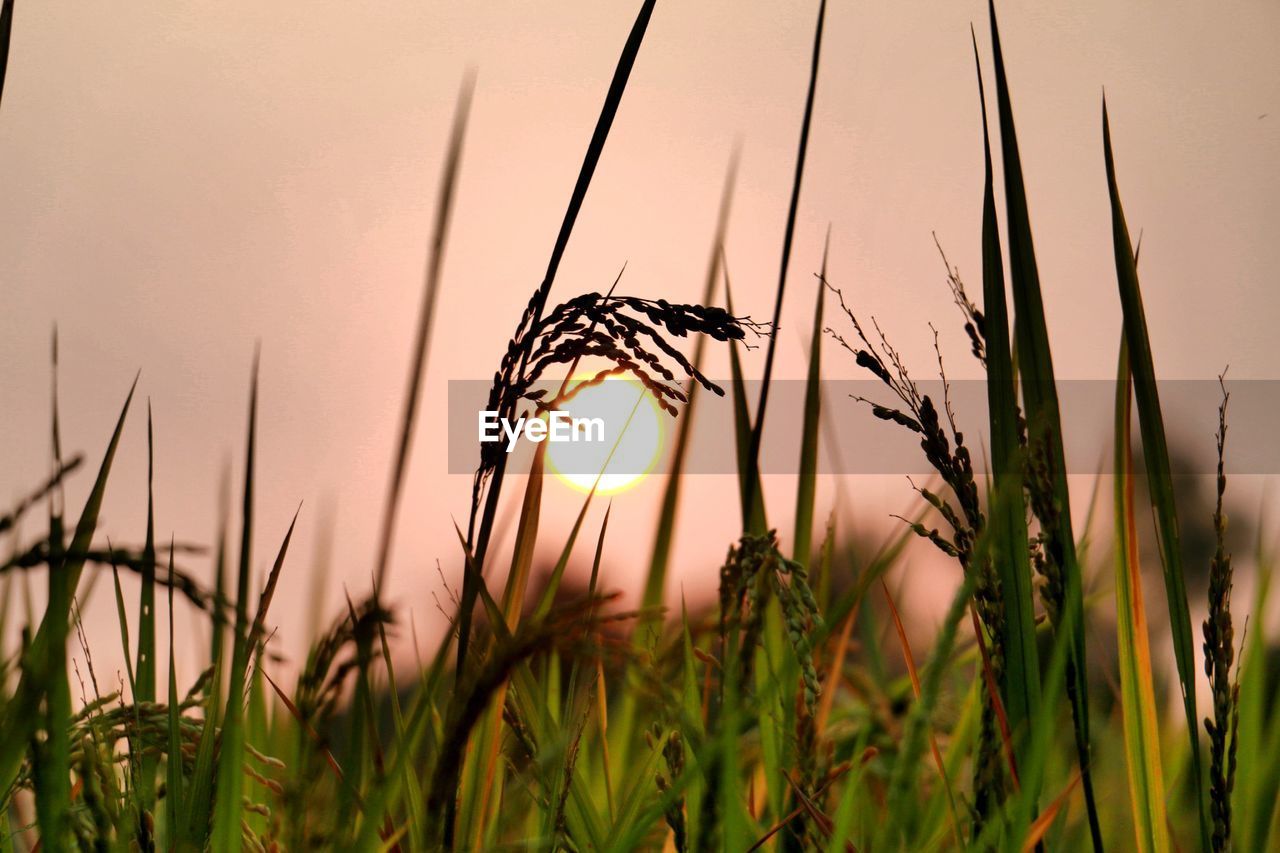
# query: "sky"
180 182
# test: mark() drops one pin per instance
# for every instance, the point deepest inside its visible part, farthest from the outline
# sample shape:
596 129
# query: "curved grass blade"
1137 692
1155 450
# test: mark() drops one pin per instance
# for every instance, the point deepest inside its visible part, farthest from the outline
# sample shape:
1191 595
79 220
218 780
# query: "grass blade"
808 484
45 661
915 688
757 432
1137 692
1044 428
1021 674
6 31
655 581
435 261
145 686
230 781
174 796
664 536
1155 451
918 723
1255 787
46 670
753 518
613 98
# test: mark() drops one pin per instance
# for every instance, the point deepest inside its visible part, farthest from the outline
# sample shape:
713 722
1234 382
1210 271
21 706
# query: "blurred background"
180 181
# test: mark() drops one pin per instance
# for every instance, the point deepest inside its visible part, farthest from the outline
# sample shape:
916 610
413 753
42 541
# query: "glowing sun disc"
627 451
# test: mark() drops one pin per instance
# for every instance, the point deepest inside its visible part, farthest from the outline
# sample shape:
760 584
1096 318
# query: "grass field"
554 719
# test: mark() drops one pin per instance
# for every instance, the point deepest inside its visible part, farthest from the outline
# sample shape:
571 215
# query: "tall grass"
770 720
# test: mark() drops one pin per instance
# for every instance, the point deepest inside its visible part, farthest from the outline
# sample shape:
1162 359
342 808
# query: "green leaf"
435 261
45 666
807 487
173 763
609 110
227 804
1044 424
1137 691
655 581
1255 787
1155 450
753 518
757 431
916 731
1020 684
145 687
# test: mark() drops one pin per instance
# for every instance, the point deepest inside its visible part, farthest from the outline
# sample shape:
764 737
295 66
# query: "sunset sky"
181 180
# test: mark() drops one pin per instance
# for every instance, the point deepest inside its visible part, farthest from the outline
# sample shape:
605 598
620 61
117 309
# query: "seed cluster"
944 447
673 759
753 570
630 332
1219 654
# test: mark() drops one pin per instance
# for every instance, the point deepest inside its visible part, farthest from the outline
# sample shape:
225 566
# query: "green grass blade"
435 262
757 431
413 787
808 484
622 731
753 518
53 769
1008 543
230 778
916 734
655 581
552 586
122 618
483 758
45 662
1254 785
1137 691
218 632
145 687
1044 423
1159 479
691 705
613 98
174 795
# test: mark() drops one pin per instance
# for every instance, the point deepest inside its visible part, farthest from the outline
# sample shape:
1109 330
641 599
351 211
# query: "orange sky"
180 180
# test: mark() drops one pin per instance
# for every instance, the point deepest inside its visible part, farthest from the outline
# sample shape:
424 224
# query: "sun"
632 437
